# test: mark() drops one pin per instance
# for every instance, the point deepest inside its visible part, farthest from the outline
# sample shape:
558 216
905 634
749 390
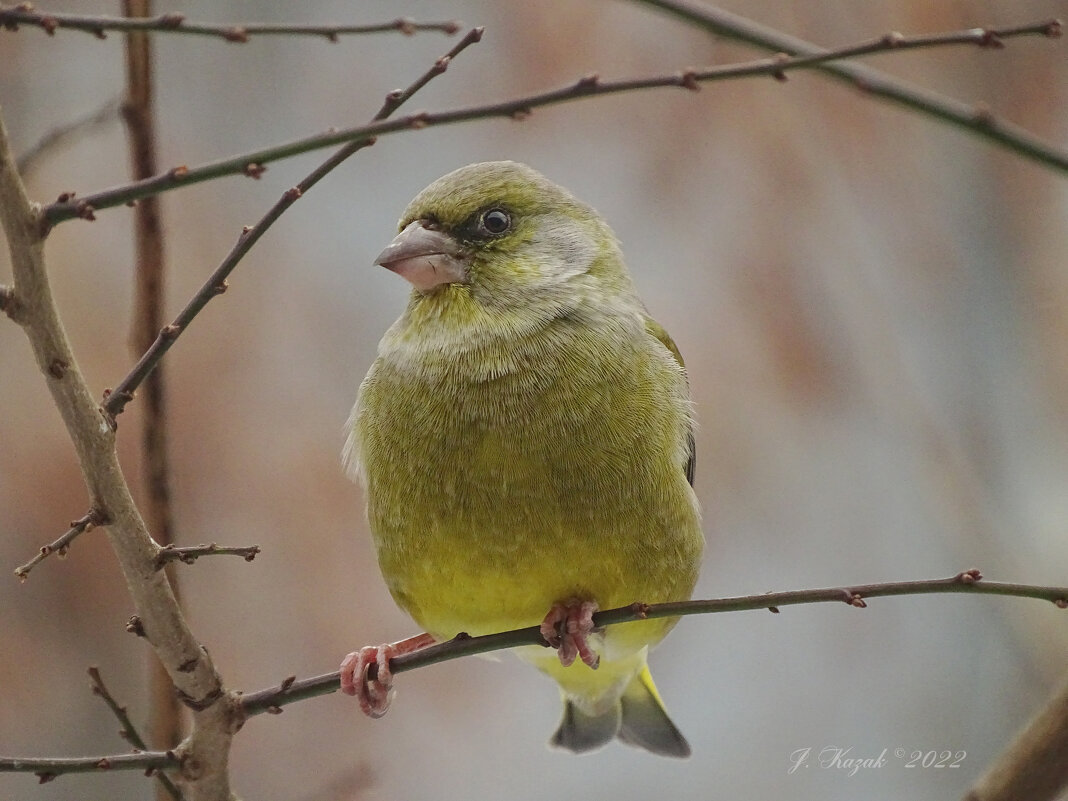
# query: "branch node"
49 24
989 38
172 20
293 194
418 121
968 576
853 599
639 609
773 609
85 211
521 114
135 626
177 173
1054 28
893 39
221 287
170 331
404 25
254 170
45 777
9 305
1061 603
688 80
983 115
236 34
57 368
274 710
589 81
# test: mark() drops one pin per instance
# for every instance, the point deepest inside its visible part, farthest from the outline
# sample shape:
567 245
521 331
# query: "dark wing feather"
657 330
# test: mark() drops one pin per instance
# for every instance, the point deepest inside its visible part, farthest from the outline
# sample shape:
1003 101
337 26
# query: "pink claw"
567 627
374 695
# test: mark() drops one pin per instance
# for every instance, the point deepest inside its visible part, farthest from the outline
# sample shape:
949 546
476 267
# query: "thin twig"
48 768
68 207
52 140
977 120
128 732
77 527
23 14
116 400
290 690
190 553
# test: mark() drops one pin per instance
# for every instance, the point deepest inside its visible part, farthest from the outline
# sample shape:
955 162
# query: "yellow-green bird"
525 438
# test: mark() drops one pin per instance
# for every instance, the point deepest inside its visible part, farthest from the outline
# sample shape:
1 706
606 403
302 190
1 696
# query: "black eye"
496 221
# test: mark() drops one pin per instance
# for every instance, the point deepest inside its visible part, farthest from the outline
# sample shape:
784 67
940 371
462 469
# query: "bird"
525 440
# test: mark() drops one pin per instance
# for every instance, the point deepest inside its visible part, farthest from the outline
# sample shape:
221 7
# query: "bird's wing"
657 330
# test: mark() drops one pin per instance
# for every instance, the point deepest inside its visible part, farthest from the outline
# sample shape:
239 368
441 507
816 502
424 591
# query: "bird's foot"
567 627
374 694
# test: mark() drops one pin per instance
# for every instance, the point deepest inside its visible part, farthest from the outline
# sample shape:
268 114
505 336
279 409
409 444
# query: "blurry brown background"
872 307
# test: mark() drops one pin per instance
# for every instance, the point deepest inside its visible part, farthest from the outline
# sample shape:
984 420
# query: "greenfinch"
525 440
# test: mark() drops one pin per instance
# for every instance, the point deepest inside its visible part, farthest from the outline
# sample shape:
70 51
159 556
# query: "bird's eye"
496 221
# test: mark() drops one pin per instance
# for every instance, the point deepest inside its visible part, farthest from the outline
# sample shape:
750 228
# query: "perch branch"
977 120
68 207
24 14
969 582
116 400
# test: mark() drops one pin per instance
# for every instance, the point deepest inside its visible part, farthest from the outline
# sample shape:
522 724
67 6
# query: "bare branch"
975 120
188 664
55 138
24 14
94 518
128 732
969 582
48 768
190 553
67 207
138 112
116 400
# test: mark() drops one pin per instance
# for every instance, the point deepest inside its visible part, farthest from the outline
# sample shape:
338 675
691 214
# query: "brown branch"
55 138
976 120
190 553
165 714
67 207
1035 765
24 14
80 526
128 732
116 400
188 664
969 582
48 768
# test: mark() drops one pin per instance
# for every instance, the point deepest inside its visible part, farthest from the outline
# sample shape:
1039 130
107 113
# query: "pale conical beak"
424 257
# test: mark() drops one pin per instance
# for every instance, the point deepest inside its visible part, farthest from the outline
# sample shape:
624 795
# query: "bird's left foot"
374 695
567 628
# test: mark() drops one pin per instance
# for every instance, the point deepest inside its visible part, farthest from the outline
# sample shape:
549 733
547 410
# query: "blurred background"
873 311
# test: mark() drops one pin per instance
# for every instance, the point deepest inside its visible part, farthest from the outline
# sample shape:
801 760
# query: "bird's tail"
637 718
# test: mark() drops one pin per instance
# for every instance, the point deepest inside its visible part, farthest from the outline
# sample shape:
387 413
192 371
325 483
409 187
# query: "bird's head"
502 234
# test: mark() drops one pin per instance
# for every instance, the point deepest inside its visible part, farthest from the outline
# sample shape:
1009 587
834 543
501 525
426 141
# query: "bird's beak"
425 257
